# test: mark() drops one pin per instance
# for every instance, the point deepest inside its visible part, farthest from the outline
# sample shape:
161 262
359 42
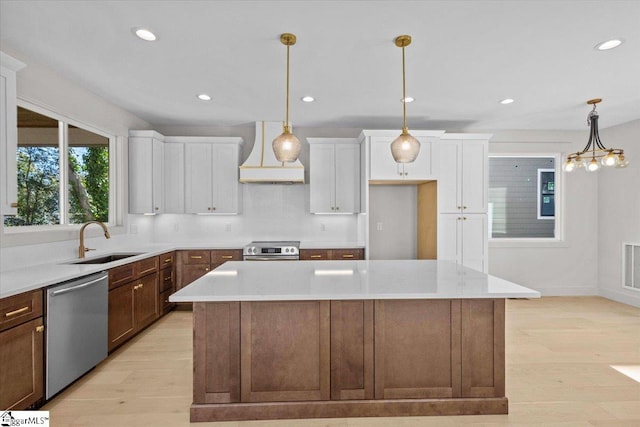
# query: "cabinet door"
198 181
474 241
347 178
21 370
146 301
8 142
189 273
383 167
474 176
449 186
121 318
174 178
225 179
322 178
141 175
449 237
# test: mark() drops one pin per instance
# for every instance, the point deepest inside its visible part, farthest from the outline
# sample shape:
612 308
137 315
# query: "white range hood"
262 166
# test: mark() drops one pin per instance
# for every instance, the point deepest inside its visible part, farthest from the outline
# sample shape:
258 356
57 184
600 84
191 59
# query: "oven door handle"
268 258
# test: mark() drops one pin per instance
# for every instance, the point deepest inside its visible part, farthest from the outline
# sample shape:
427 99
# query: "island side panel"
285 351
216 352
483 348
351 350
417 349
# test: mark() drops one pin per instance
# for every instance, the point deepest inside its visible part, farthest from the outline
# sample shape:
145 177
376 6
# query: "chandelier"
404 148
286 146
595 153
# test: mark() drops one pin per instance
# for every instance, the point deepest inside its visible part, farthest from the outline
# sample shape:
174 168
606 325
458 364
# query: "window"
63 172
523 197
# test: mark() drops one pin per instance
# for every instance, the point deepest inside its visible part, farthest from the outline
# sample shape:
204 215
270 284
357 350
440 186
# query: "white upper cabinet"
8 134
146 172
382 167
463 177
334 175
173 176
211 175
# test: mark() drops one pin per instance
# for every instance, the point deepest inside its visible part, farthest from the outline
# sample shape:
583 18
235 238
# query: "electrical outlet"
379 226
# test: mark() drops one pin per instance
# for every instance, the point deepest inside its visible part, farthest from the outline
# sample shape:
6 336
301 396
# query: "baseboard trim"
568 291
620 296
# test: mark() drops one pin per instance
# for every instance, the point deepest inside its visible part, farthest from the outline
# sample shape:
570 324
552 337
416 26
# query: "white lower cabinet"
334 175
211 175
463 239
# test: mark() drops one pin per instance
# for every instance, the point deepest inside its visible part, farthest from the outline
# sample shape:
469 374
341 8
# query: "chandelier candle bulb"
595 148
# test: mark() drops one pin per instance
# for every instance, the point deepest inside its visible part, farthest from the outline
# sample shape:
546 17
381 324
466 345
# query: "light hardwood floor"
559 356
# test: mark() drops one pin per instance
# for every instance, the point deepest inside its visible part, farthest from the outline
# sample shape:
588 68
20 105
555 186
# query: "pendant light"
404 148
286 146
595 149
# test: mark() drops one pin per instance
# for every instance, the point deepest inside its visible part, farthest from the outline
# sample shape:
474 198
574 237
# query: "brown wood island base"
348 358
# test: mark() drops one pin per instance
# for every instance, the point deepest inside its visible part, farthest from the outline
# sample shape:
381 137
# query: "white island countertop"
346 280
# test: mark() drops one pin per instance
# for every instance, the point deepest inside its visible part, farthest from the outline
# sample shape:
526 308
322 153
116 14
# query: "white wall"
618 211
395 208
569 267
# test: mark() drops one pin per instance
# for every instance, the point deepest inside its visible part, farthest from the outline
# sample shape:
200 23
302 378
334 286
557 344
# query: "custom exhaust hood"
262 166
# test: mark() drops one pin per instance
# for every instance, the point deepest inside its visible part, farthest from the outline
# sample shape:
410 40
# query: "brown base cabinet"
196 263
21 351
331 254
167 280
133 299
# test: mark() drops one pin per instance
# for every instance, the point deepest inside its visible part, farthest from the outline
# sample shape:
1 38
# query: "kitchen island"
308 339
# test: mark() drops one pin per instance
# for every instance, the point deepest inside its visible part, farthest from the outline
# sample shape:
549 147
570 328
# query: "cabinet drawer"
20 308
166 279
342 254
167 260
165 305
315 254
146 266
220 256
121 275
196 257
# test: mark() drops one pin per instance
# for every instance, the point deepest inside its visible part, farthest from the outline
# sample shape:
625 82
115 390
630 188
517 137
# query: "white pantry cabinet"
8 134
211 175
463 199
334 174
146 172
382 167
173 176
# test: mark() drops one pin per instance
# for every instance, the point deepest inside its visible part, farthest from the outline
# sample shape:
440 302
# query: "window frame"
559 239
64 225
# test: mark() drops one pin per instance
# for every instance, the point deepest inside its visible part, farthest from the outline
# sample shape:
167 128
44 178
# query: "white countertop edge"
258 298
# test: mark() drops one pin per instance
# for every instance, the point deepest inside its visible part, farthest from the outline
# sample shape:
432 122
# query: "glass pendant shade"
405 148
286 146
593 166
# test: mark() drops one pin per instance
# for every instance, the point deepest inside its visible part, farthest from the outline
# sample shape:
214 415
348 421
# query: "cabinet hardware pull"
167 260
214 208
337 208
406 173
227 257
464 218
459 218
333 208
14 205
18 311
459 207
196 257
40 328
167 278
464 207
157 208
316 256
206 269
347 256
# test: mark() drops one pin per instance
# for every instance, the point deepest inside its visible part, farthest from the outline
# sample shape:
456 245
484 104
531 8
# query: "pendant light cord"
286 119
404 95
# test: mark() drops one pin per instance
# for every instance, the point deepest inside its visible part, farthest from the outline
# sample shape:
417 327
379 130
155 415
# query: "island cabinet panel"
351 350
417 349
285 351
483 348
216 352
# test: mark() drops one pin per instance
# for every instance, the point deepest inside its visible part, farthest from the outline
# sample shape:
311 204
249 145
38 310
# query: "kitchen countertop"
13 282
346 280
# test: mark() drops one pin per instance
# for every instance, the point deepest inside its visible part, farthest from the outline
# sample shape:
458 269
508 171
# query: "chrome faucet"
82 249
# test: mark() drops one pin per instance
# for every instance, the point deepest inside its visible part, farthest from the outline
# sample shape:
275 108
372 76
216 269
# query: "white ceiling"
465 57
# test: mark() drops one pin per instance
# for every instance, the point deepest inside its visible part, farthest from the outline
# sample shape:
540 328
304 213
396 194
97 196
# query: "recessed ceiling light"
204 97
609 44
145 34
308 98
408 99
507 101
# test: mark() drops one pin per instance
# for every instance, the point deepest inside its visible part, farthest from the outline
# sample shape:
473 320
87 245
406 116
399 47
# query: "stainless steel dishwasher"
76 325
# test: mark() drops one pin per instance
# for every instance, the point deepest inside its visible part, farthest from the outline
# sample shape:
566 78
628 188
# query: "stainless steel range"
271 251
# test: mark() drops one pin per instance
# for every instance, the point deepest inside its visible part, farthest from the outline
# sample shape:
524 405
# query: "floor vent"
631 266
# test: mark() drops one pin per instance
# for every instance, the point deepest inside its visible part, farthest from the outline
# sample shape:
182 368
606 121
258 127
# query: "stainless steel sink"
106 258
